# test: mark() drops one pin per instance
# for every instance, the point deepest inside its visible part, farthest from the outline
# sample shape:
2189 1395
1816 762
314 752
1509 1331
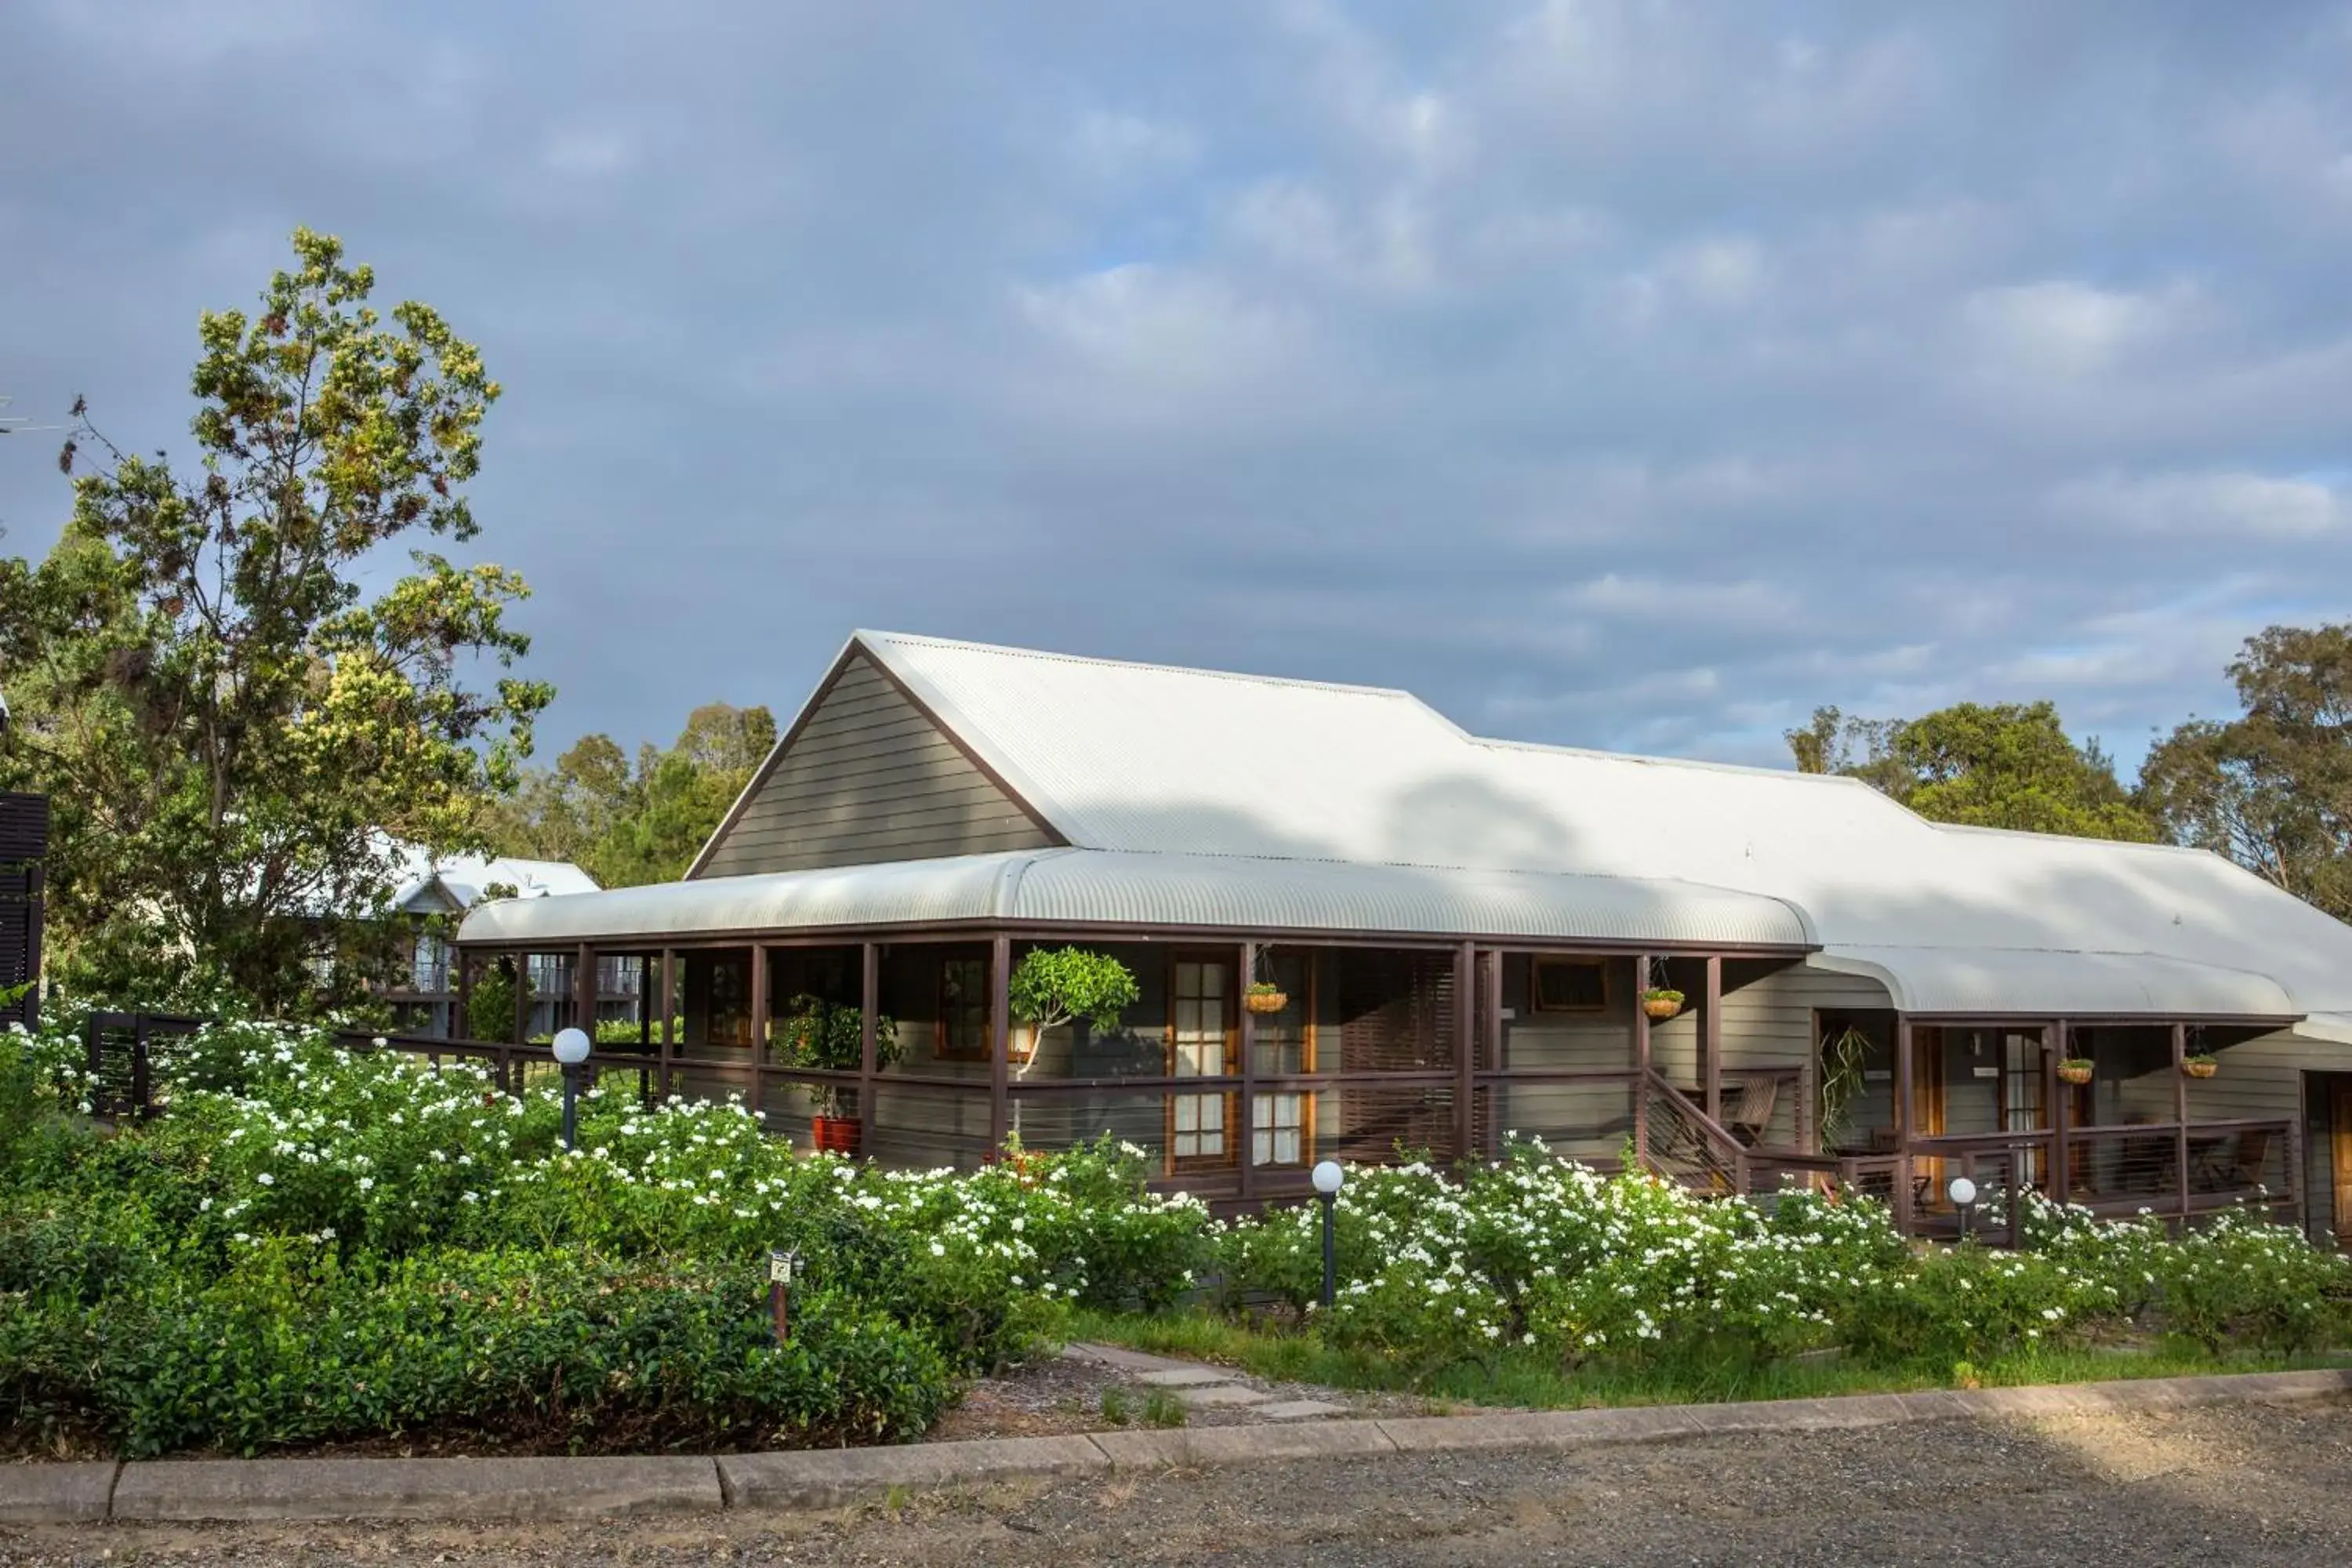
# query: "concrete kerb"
827 1477
56 1494
287 1489
188 1491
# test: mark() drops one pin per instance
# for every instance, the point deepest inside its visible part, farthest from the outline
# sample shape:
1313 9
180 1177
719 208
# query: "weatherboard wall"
868 777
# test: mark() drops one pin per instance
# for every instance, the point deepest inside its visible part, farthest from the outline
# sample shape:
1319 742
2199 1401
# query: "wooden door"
1201 1042
1928 1105
2339 1154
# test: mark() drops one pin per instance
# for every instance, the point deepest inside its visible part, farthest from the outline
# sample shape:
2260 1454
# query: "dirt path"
2247 1486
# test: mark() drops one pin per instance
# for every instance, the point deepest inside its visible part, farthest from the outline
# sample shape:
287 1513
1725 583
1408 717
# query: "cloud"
2220 506
1609 372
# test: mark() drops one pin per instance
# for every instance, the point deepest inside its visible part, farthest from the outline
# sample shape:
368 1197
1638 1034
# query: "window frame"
944 1046
1304 1127
1600 966
1230 1128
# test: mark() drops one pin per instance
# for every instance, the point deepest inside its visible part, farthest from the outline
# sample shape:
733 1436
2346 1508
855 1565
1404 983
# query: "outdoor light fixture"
571 1050
1327 1177
1963 1193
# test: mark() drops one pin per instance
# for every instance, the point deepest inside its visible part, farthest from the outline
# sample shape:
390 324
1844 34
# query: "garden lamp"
570 1050
1963 1193
1327 1177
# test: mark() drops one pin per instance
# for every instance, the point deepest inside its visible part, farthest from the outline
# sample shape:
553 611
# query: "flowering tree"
234 733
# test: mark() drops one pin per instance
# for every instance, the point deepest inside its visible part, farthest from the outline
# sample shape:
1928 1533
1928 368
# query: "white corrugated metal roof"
2049 984
431 884
1149 758
1080 886
1239 800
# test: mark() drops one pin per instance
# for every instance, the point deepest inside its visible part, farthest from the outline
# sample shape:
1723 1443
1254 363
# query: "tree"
628 827
2007 765
233 733
1050 988
2272 789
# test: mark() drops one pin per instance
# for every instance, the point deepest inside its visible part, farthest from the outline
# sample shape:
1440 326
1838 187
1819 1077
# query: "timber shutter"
24 840
866 776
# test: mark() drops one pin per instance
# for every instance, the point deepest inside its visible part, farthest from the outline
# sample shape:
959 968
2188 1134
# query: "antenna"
11 423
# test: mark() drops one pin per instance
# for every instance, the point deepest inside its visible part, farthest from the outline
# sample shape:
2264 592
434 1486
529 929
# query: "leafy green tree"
2272 789
629 826
1052 986
2006 765
232 731
490 1006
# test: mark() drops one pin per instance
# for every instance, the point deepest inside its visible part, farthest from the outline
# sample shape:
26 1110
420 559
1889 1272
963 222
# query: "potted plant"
1662 1001
1266 996
2075 1070
1053 987
829 1037
2202 1065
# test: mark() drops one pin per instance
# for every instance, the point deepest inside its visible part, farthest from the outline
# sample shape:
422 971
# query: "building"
425 1002
1461 931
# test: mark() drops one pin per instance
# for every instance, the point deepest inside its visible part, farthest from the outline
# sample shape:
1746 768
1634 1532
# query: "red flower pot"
835 1134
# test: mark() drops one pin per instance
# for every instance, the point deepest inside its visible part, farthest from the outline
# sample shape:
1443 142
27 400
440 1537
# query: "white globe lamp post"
1963 1193
571 1047
1327 1177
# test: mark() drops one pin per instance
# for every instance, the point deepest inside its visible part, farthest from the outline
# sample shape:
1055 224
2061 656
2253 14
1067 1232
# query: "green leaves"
2008 765
234 731
2272 788
1052 986
626 828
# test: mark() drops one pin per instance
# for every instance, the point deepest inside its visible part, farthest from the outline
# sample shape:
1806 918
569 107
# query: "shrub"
289 1347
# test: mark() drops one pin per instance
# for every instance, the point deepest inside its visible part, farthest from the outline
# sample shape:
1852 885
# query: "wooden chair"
2247 1161
1747 1117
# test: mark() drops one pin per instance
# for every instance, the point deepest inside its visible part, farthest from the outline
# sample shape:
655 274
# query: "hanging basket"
1266 999
2199 1067
1661 1003
2076 1070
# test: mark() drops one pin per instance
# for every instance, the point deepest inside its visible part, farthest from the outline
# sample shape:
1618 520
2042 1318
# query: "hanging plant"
1266 996
2202 1065
1661 1002
2075 1070
1841 1079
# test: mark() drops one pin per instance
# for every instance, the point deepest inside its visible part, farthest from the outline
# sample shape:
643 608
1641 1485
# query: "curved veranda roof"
1087 888
1977 982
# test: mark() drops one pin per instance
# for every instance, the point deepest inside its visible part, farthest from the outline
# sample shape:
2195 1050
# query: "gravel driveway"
2241 1485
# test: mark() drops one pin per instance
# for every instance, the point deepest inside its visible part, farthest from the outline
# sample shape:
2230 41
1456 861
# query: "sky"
1619 372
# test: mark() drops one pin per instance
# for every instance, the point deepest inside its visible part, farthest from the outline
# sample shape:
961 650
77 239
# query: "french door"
1201 1043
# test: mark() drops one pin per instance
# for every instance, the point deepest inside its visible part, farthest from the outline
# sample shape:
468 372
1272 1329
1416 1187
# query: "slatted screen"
1396 1011
24 840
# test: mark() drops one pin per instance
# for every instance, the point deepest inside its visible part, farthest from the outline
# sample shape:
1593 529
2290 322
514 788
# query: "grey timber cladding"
868 777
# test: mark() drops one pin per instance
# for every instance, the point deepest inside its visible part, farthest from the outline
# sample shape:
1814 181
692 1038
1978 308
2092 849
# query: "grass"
1525 1381
1163 1407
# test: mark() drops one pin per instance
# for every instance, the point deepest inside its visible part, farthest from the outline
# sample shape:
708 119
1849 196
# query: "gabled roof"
450 884
1150 758
1336 797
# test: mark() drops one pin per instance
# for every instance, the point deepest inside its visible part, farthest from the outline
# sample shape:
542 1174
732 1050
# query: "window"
1199 1127
1200 1040
963 1010
1197 1041
1277 1130
1570 985
430 972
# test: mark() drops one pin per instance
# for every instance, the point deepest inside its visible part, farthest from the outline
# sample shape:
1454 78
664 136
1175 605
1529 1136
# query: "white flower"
266 1179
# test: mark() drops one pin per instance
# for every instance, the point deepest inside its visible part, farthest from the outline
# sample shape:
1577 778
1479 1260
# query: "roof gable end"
868 772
